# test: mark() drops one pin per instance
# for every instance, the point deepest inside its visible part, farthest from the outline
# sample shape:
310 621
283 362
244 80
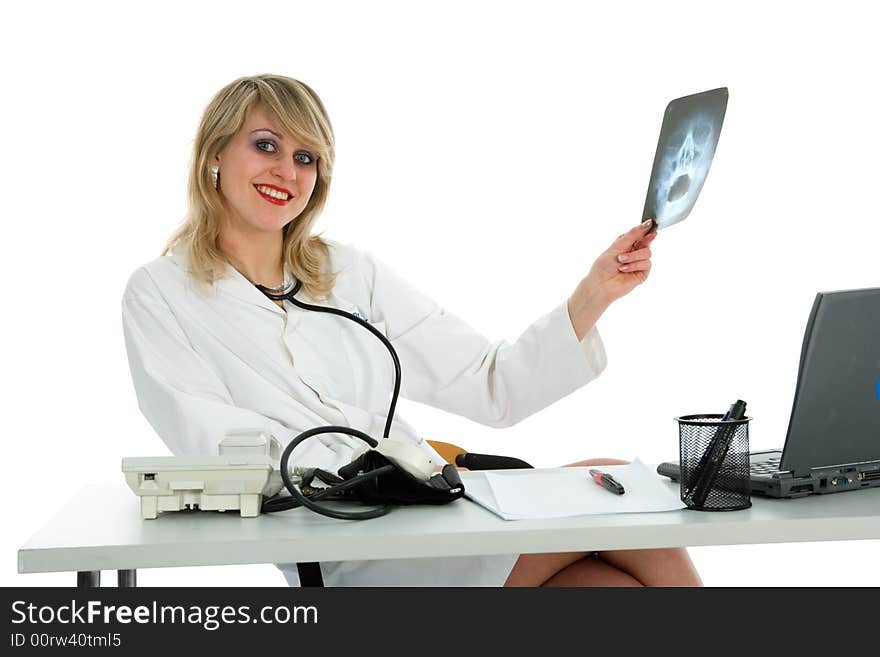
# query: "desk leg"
310 574
88 579
126 579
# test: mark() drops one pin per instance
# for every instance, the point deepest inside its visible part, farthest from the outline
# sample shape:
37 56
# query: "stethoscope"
287 292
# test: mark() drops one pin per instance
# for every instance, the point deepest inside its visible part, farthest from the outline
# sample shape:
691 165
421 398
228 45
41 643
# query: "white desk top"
101 529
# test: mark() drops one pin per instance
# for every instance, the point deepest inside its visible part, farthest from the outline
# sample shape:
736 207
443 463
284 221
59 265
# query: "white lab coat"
205 364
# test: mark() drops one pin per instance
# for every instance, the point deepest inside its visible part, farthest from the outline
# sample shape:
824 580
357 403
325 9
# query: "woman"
211 354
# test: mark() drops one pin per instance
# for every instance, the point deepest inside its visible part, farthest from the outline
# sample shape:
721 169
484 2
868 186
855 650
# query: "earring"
215 176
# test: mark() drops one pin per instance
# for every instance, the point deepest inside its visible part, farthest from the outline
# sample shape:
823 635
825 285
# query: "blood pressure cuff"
399 486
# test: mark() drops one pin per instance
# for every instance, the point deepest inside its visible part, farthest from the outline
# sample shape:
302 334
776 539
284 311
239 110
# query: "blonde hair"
299 112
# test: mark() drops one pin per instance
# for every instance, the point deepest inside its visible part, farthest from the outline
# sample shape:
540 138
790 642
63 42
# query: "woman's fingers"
638 260
641 265
645 241
626 241
634 256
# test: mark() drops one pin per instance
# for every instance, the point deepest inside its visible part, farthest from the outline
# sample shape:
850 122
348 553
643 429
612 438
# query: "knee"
601 461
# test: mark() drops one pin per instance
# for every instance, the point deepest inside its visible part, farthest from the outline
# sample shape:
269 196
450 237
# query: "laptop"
833 440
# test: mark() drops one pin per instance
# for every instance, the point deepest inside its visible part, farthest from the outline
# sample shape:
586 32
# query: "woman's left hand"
623 266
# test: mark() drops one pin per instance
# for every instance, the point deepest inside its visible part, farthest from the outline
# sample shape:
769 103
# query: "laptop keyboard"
767 467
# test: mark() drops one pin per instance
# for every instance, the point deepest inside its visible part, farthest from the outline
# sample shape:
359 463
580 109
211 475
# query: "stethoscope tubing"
299 499
355 481
290 296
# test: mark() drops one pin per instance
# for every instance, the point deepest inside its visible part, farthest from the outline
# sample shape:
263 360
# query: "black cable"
354 481
279 503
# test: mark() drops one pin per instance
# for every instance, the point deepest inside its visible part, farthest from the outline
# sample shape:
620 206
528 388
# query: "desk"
101 528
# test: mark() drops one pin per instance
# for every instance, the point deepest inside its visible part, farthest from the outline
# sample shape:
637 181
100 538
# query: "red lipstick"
272 199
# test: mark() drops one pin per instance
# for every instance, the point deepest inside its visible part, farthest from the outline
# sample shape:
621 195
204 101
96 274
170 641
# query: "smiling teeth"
268 191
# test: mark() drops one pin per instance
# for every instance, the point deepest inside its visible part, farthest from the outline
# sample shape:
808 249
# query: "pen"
704 460
710 463
607 482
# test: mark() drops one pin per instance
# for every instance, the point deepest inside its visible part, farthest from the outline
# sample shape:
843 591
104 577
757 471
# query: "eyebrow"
267 130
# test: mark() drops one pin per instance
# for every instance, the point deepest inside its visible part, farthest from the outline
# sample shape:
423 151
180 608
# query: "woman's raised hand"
623 266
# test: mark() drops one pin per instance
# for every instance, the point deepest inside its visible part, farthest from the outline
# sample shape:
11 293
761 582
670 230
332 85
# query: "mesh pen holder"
714 458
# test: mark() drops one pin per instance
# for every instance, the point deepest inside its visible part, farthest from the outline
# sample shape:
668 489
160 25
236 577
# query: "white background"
487 151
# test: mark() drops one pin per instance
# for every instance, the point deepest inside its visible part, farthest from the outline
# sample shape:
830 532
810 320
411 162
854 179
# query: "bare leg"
536 569
660 567
592 571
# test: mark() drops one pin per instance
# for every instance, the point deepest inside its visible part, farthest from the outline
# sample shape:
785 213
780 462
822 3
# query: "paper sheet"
565 492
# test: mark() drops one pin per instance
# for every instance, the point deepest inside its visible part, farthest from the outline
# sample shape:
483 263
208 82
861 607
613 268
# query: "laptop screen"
835 418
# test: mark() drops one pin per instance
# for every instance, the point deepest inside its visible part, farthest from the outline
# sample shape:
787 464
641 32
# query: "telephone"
243 477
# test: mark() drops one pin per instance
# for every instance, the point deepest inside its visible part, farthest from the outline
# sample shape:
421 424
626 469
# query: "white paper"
565 492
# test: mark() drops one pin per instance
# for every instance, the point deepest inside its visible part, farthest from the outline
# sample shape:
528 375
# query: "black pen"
607 482
710 463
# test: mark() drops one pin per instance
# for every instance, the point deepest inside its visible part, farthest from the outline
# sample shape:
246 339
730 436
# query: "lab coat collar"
233 283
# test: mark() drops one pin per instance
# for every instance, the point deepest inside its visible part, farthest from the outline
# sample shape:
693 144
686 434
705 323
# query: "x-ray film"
688 137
